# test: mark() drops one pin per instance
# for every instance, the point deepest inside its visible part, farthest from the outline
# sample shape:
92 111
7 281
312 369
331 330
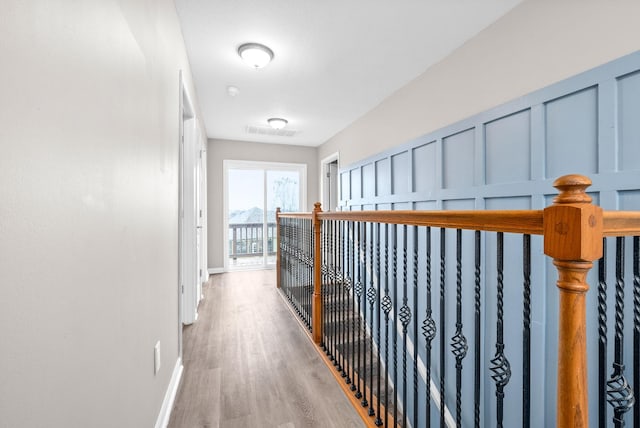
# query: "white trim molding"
170 395
215 270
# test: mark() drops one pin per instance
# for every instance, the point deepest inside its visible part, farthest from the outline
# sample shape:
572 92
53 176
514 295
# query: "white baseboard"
170 396
215 270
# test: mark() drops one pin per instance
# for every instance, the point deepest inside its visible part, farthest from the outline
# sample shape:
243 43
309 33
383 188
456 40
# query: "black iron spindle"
386 307
499 364
394 335
364 402
341 275
619 393
415 325
405 317
477 330
602 337
371 297
354 318
429 333
526 334
636 328
442 327
459 341
378 420
357 315
347 309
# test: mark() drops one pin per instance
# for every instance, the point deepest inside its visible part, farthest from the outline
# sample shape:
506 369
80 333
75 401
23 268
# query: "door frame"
228 164
325 181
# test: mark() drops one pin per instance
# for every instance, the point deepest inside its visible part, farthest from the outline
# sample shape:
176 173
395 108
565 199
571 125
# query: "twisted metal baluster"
357 319
415 325
405 317
343 372
354 317
347 287
526 334
429 333
602 337
499 364
386 307
371 297
443 336
325 280
364 401
394 239
459 341
619 393
477 329
636 327
378 420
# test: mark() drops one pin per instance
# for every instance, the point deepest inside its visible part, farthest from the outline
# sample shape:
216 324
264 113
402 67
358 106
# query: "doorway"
329 180
253 191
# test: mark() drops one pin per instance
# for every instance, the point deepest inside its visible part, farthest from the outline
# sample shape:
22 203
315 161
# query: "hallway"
248 363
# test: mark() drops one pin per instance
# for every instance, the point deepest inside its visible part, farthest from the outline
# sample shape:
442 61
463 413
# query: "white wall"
218 151
538 43
89 211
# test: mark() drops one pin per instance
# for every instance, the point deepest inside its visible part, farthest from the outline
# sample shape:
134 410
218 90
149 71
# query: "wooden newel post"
316 310
573 238
278 254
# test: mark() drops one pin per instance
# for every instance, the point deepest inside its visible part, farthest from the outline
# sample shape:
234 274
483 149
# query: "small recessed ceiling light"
233 91
255 54
277 123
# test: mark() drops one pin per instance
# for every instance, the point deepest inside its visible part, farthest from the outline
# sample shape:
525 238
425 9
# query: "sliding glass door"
253 191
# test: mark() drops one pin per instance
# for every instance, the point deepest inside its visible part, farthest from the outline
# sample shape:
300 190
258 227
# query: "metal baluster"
352 304
443 336
371 297
357 318
429 333
636 327
459 341
499 364
619 393
394 240
405 317
386 307
415 326
477 329
342 365
335 296
325 285
378 420
526 334
347 286
364 401
602 337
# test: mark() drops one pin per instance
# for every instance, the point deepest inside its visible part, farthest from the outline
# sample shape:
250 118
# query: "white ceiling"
334 60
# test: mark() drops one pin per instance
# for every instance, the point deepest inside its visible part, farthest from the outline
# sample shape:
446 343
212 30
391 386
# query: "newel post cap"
572 225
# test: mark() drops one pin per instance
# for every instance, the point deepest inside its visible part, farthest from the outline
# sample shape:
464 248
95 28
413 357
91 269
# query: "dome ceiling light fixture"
277 123
255 54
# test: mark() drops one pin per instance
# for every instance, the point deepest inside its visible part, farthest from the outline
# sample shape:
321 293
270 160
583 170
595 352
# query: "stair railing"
332 266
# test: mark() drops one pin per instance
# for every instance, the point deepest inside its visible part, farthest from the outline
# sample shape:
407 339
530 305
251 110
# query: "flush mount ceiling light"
277 123
255 54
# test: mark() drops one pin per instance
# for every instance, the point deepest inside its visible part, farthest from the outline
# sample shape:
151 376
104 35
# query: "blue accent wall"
508 158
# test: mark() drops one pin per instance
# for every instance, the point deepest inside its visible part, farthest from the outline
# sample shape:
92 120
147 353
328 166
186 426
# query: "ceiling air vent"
267 130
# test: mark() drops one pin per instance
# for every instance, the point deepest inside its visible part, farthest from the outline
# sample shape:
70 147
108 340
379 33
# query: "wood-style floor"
248 363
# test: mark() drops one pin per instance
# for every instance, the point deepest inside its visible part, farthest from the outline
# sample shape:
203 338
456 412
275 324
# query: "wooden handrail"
572 229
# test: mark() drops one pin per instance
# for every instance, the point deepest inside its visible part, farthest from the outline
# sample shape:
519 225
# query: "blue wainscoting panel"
458 160
629 121
383 177
424 168
368 181
508 158
572 133
400 168
508 149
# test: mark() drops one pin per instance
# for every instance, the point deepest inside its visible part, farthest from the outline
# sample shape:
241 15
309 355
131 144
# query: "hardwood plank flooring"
248 363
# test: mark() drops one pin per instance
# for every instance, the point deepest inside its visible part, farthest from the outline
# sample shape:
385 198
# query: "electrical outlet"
156 358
